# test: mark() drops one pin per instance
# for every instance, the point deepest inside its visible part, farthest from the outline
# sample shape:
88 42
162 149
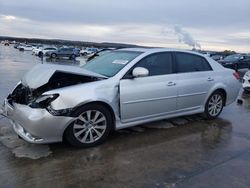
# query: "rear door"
61 51
151 96
195 78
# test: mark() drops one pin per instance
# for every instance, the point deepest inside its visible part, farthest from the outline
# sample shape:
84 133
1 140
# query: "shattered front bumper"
35 125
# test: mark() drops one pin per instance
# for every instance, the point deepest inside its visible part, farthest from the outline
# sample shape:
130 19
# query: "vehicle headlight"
44 101
63 112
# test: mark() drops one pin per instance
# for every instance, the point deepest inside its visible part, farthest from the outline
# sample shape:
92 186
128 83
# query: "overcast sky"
211 24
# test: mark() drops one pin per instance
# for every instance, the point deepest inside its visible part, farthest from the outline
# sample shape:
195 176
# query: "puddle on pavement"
245 99
19 147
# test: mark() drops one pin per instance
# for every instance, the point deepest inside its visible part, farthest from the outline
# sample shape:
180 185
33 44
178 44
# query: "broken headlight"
63 112
44 101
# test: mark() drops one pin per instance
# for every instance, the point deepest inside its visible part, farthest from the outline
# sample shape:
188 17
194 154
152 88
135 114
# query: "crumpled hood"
40 74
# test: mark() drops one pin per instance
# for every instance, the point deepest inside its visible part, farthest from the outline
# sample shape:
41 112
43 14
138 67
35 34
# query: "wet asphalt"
181 152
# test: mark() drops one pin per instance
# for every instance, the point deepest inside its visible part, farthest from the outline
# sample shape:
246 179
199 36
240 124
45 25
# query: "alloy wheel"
215 105
90 126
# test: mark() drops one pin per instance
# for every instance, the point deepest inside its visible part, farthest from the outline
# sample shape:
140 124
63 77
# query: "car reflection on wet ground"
181 152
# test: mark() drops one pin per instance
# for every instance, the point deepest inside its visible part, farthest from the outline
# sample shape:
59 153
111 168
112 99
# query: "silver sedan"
120 89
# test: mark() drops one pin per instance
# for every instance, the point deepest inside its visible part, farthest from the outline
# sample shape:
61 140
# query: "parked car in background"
214 55
16 45
42 51
71 53
36 49
37 46
217 57
20 45
236 61
6 43
120 89
88 51
246 81
100 53
25 47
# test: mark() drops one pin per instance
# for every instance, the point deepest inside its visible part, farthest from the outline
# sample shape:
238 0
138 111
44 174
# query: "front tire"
92 126
73 57
214 105
40 54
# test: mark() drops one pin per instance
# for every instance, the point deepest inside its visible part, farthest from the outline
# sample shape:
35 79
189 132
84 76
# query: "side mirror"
140 72
242 58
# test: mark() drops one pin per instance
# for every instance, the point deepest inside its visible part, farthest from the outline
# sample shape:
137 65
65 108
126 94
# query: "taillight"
236 75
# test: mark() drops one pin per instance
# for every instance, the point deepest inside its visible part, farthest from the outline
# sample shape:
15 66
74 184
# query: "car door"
195 78
60 52
66 52
150 96
70 52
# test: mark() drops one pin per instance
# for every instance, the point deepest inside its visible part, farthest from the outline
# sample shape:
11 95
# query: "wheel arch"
219 89
223 91
104 104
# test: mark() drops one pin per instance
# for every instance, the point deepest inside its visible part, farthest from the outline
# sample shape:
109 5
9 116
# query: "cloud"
11 18
147 22
7 17
186 37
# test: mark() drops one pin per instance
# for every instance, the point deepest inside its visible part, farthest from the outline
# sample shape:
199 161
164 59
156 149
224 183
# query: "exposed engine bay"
24 95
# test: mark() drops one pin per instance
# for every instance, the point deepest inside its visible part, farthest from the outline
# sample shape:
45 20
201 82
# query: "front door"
151 96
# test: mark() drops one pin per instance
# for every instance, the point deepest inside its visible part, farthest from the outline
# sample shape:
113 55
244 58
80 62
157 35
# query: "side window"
157 64
191 63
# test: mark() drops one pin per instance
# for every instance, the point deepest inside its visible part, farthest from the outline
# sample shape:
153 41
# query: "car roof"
155 50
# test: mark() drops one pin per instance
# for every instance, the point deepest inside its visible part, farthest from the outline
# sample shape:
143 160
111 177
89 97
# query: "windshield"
111 63
233 57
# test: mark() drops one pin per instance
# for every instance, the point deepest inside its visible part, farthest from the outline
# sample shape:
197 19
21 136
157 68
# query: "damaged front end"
29 108
35 98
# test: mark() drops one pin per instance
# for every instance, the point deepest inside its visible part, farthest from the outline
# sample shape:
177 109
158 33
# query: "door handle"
171 84
210 79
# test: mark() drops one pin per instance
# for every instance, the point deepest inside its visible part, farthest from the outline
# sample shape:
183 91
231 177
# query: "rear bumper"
232 91
36 125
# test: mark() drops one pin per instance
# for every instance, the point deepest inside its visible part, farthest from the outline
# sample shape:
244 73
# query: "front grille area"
21 95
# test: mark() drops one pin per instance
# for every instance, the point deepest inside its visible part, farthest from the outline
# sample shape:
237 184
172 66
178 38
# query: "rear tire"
53 55
214 105
92 126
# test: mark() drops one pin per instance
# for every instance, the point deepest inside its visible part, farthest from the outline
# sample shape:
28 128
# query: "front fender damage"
25 95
